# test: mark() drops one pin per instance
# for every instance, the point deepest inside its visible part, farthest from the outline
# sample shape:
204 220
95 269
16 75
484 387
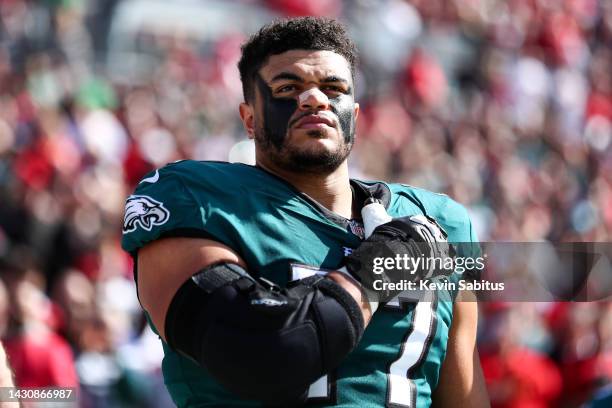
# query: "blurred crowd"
506 106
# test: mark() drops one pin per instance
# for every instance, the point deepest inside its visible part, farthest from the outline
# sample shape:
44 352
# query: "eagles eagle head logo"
144 211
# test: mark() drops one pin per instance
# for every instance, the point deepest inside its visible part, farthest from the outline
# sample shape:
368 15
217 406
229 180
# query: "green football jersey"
282 234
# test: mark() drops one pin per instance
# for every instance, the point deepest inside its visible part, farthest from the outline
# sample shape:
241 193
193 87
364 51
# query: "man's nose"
313 99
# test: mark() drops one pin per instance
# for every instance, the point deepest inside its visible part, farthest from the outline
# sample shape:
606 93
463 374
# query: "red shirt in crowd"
41 360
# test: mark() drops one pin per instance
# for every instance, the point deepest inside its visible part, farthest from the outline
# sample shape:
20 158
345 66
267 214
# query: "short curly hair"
303 33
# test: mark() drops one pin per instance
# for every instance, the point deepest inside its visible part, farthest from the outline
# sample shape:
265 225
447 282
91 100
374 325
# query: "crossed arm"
204 303
164 265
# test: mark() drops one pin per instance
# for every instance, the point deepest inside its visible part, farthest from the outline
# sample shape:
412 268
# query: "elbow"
273 369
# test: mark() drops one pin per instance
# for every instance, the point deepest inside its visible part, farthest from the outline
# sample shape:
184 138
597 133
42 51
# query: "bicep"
164 265
461 379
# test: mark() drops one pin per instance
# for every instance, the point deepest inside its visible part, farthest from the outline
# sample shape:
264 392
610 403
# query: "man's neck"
333 190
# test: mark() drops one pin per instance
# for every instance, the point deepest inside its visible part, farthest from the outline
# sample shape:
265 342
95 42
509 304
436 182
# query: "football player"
238 266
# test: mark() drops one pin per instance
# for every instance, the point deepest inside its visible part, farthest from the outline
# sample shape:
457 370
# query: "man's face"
304 111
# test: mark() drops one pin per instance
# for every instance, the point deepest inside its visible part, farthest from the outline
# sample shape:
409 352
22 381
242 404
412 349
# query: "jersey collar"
362 190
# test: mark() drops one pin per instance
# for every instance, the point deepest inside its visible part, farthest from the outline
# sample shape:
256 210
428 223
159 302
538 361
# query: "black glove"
403 240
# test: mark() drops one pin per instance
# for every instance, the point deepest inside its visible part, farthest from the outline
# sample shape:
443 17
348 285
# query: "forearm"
235 326
356 292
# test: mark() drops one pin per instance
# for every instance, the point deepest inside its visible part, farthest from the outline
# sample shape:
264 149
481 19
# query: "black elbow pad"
257 340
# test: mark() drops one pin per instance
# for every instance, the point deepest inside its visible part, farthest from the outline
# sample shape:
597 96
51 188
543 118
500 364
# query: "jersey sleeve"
468 258
160 206
452 216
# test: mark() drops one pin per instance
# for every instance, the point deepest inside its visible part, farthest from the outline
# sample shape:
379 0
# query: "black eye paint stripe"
277 112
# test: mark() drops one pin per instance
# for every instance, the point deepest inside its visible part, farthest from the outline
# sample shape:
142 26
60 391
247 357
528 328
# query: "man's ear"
247 115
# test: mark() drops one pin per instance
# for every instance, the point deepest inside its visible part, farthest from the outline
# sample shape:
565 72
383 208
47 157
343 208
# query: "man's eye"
333 88
286 88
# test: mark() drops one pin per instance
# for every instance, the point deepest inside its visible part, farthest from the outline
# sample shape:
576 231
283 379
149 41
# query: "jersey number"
401 390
